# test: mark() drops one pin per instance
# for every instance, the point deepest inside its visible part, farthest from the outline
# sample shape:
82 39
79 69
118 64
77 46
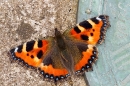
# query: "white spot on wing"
98 18
16 49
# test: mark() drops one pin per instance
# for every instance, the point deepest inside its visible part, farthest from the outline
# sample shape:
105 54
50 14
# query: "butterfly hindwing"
89 56
52 67
84 55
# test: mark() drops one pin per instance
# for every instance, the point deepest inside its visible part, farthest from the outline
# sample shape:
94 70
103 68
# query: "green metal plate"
113 66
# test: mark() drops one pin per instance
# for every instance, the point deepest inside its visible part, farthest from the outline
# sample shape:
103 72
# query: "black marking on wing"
82 46
77 30
85 24
40 54
40 43
84 37
95 20
20 48
29 45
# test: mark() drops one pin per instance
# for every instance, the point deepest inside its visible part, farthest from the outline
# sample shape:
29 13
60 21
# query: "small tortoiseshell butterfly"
70 53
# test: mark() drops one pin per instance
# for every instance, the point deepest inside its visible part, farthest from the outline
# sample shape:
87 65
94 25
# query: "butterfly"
70 53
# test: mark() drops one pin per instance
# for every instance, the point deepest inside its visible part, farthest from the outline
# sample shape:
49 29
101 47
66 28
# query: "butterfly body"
70 53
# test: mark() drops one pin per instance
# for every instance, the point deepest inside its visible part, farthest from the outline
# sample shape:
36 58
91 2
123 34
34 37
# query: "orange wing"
30 53
86 35
41 55
89 55
92 31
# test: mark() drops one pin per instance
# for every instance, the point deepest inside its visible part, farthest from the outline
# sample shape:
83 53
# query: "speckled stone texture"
25 20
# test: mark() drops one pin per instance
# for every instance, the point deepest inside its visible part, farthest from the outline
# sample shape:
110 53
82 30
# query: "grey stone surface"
25 20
